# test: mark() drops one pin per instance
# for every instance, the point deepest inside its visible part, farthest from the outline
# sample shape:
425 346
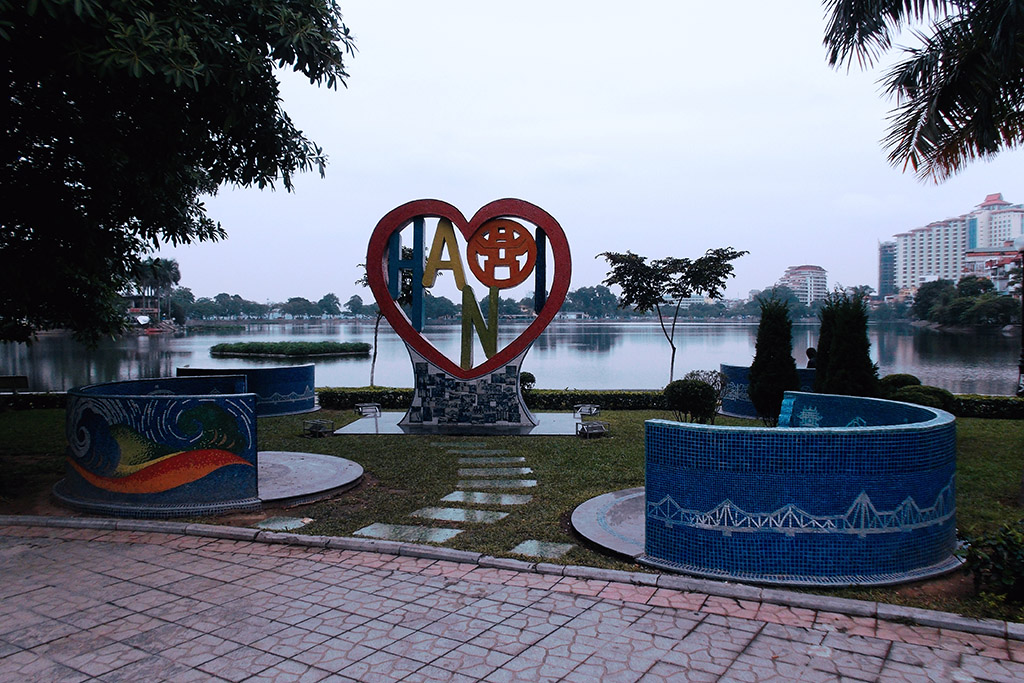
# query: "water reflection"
567 354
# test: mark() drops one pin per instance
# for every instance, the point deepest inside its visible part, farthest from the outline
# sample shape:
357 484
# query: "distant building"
939 249
809 283
886 269
993 263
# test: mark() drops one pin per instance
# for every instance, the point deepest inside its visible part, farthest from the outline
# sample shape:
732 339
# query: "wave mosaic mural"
161 448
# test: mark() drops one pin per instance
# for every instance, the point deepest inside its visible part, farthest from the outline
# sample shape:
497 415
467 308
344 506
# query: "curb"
854 608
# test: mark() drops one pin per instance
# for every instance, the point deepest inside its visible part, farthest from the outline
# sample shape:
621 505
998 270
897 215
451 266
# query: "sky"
661 127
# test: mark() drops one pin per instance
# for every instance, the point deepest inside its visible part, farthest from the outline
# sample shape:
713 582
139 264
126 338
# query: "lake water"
582 355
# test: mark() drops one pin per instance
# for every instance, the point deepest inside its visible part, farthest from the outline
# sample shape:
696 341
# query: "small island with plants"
290 349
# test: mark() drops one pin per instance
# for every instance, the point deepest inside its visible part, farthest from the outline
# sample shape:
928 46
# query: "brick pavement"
82 604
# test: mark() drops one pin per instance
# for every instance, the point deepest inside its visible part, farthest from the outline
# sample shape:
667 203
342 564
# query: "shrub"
718 381
889 384
996 561
844 352
925 395
691 398
773 371
527 381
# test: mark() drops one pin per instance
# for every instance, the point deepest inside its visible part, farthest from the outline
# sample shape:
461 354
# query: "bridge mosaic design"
508 242
861 518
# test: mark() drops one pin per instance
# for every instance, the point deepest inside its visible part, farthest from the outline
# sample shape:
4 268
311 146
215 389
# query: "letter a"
444 237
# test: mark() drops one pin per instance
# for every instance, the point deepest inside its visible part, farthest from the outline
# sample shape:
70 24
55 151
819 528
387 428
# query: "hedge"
993 407
996 407
965 405
345 398
33 401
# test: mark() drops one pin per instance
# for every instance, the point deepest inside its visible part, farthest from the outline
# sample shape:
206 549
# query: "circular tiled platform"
614 521
288 478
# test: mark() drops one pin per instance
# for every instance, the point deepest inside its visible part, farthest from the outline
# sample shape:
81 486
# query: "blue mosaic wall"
736 401
819 505
166 447
279 391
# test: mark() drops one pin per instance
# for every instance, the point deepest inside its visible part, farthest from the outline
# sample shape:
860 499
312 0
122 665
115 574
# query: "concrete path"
111 603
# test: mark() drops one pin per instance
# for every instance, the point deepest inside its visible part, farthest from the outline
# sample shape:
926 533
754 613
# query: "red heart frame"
376 270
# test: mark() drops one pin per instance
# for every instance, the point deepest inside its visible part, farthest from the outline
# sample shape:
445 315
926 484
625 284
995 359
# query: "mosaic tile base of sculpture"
848 491
441 399
162 447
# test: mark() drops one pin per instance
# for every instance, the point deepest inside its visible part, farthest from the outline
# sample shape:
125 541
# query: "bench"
368 409
581 409
13 383
586 430
317 428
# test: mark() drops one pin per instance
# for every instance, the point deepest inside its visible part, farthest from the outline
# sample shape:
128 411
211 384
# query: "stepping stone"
495 472
497 484
491 461
494 451
480 498
465 444
542 549
402 532
461 515
283 523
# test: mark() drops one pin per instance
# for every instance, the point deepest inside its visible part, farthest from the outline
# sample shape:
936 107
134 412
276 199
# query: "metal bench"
582 409
586 430
368 409
317 428
12 383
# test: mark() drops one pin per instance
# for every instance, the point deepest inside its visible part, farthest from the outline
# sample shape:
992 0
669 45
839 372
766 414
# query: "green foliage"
322 348
889 384
346 399
974 286
718 381
144 108
989 407
595 302
666 282
957 91
773 371
691 399
924 395
996 561
527 381
329 304
844 352
932 295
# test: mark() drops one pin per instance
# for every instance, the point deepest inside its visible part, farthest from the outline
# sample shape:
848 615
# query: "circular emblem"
501 253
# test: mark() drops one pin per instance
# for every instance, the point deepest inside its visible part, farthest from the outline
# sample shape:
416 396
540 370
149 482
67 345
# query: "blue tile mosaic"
867 491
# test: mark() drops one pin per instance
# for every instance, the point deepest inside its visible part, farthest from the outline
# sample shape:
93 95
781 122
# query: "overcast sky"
665 128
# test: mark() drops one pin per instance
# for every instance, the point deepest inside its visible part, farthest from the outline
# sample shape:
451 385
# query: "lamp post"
1018 244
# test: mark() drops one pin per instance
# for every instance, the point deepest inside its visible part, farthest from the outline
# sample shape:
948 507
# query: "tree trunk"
373 360
672 362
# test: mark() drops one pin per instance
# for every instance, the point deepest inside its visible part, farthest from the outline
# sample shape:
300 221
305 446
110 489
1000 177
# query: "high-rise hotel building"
809 283
938 250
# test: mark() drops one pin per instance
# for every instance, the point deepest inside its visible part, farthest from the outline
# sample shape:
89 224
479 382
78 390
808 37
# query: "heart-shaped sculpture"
377 274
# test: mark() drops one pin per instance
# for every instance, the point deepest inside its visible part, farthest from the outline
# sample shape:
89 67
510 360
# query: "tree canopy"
959 93
666 282
120 116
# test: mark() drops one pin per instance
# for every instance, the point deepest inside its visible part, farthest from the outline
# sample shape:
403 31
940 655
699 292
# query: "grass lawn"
406 473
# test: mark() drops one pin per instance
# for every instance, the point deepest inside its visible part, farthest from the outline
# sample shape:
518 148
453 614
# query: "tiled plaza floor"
80 604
